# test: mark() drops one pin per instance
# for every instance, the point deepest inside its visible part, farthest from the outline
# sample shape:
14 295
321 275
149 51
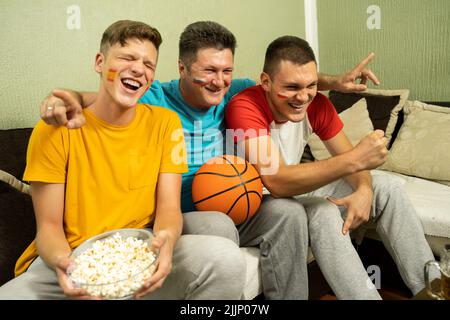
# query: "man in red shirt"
272 123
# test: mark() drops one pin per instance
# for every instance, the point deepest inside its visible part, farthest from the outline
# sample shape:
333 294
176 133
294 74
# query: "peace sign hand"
348 82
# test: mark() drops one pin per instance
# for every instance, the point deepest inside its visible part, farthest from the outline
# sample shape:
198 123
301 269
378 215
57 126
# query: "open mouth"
213 90
131 84
296 106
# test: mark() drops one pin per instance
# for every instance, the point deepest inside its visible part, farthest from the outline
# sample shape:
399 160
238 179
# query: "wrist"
327 82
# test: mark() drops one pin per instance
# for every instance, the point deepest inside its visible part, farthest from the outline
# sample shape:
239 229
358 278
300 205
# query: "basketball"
228 184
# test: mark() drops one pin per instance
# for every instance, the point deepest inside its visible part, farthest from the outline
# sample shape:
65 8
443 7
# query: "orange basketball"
228 184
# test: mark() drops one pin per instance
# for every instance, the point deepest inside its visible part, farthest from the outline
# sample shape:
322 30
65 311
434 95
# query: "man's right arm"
284 180
64 108
51 242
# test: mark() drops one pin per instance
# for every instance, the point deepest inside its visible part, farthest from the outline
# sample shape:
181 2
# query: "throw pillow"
421 147
357 125
14 182
383 106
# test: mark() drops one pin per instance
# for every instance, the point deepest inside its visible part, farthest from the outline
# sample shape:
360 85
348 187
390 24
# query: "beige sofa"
419 146
427 161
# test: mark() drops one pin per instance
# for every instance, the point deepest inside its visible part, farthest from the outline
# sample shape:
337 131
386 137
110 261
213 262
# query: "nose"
302 96
138 68
218 80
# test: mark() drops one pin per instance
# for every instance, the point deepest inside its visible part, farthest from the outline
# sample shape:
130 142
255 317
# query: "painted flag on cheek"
111 74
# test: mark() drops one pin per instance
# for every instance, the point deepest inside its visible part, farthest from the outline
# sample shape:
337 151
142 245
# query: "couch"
419 141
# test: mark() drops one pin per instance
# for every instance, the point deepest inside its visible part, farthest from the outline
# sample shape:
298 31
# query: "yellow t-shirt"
110 171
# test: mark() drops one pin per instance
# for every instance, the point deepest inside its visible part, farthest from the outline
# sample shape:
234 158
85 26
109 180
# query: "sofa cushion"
17 222
421 147
17 227
383 106
357 125
431 201
13 150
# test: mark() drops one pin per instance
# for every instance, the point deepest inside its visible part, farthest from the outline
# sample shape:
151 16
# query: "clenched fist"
371 151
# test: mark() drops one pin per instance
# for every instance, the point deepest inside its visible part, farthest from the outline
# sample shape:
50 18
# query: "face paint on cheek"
282 96
199 81
111 74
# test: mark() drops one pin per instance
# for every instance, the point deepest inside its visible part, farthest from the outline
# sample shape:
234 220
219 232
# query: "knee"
212 223
221 225
323 213
386 184
385 187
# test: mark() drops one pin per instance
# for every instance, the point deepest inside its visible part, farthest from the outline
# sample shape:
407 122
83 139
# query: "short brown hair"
122 30
203 35
290 48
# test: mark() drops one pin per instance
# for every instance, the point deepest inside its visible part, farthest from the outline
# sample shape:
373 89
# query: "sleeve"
174 158
324 119
245 119
47 154
154 95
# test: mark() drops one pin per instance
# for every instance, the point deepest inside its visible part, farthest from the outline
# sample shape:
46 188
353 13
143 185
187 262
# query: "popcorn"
114 267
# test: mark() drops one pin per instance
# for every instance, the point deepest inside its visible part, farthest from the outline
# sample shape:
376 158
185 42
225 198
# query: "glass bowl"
114 264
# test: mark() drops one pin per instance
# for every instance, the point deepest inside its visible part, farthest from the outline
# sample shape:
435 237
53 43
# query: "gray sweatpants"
280 230
204 267
396 222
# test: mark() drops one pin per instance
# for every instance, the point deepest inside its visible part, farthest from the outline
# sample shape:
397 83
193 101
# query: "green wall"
412 47
39 52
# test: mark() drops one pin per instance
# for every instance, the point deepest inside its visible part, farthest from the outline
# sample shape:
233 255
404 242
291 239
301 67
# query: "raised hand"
371 151
347 82
62 109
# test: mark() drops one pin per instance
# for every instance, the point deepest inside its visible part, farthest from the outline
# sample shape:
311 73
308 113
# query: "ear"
181 68
265 81
99 61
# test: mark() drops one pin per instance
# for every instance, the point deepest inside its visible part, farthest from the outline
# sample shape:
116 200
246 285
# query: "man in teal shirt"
203 128
280 228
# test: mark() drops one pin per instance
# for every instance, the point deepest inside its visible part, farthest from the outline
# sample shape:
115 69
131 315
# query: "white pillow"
357 125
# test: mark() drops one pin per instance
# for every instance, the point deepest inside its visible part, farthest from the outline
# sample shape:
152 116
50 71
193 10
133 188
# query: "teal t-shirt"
204 130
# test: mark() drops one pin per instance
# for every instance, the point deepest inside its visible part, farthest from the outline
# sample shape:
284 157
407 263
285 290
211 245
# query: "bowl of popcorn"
114 264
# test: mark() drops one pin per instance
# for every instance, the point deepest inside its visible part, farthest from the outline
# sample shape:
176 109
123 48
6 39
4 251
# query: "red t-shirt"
249 115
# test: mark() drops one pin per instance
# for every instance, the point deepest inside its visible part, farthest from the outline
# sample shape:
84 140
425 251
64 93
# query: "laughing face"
206 81
127 71
291 89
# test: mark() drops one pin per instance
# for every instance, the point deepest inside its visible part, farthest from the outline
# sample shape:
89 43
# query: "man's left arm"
347 82
358 203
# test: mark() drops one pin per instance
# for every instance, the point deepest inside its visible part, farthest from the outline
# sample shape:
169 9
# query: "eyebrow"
295 84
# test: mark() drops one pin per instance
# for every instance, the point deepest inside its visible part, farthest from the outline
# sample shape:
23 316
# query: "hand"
67 285
358 206
164 264
61 108
347 82
371 151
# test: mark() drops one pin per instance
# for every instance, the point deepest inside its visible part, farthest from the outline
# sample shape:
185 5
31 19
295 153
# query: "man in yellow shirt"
98 178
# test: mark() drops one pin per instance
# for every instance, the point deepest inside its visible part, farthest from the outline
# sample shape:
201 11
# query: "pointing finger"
66 97
360 66
348 222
